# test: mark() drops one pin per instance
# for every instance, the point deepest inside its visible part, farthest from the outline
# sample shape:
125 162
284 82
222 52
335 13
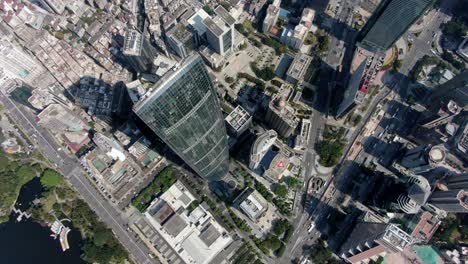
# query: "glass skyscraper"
390 21
182 109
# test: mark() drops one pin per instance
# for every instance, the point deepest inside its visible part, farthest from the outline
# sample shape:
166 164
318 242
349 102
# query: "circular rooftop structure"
437 154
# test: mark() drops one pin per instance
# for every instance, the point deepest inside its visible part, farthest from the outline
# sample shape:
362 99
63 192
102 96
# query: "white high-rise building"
58 6
18 64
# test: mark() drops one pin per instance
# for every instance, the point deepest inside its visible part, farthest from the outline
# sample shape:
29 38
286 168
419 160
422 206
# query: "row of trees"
160 183
452 60
259 84
240 223
263 191
246 254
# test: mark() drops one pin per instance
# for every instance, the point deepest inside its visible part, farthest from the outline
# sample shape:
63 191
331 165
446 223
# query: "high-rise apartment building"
453 194
138 50
15 63
57 6
182 109
352 96
271 17
390 21
217 30
281 117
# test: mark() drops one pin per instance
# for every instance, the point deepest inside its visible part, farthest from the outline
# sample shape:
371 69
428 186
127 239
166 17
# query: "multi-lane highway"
70 167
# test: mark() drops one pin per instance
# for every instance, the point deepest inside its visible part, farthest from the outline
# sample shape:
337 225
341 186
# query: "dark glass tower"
182 109
390 21
455 197
455 89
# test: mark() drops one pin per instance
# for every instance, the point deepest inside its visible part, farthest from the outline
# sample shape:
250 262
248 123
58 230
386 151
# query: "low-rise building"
143 152
252 203
195 235
99 98
58 119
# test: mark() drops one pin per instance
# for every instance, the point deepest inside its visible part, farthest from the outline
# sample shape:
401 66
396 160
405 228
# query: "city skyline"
233 132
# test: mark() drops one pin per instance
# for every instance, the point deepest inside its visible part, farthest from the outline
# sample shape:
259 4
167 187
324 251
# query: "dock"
61 231
21 214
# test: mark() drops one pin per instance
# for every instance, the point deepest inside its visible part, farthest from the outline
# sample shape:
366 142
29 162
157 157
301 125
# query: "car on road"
311 227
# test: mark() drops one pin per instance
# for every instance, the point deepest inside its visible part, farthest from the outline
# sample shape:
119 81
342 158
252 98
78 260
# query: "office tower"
280 117
461 139
353 96
455 89
15 63
220 31
371 239
255 6
182 109
452 195
390 21
271 17
417 195
298 68
423 158
180 40
260 147
138 50
443 116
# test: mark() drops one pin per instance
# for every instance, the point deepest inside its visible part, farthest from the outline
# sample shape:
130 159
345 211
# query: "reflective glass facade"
184 112
227 41
390 21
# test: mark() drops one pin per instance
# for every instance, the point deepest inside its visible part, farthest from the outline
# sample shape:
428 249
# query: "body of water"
28 242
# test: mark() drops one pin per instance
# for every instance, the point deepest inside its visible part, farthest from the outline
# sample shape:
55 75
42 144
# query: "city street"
422 43
70 167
